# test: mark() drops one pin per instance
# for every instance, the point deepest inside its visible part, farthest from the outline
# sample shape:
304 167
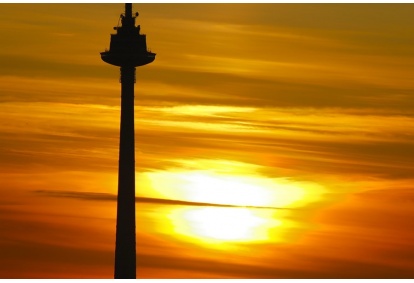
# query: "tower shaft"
128 49
125 246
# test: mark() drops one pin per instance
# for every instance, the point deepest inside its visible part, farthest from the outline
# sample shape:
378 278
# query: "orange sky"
305 109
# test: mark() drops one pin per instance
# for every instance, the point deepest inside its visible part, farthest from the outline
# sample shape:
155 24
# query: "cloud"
52 244
400 196
54 261
310 266
333 140
308 140
113 197
270 85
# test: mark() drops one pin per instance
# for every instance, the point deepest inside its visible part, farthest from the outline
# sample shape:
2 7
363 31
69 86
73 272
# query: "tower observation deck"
128 49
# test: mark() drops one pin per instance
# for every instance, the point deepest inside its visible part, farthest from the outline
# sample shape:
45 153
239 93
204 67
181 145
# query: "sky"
272 141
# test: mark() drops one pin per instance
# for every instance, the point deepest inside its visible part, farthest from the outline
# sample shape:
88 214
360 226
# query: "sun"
232 189
222 189
218 225
259 211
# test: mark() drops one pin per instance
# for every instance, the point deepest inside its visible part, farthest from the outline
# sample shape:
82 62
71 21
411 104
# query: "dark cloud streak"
112 197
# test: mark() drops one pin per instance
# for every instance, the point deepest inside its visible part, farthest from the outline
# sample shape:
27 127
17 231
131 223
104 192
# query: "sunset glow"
271 141
221 226
214 188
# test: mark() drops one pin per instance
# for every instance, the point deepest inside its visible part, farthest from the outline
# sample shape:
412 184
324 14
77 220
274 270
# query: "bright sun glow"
211 187
236 185
204 187
222 224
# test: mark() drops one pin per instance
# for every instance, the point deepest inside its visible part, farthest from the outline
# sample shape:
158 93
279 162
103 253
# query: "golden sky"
302 112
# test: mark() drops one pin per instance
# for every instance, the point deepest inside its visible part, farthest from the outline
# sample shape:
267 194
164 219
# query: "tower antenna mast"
128 50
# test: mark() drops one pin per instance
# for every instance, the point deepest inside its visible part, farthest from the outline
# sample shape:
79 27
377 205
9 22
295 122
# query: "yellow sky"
306 108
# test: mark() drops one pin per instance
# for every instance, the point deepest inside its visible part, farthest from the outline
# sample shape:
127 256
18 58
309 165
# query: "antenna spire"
128 10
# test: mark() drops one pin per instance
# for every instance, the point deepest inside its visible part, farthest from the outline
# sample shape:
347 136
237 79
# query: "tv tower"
128 49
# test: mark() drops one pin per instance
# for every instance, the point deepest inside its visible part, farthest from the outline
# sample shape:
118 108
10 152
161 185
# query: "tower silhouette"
128 49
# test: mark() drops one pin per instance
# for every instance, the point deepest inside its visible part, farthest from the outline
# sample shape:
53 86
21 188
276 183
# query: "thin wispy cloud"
112 197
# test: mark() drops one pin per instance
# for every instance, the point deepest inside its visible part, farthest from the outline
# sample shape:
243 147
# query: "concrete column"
125 246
